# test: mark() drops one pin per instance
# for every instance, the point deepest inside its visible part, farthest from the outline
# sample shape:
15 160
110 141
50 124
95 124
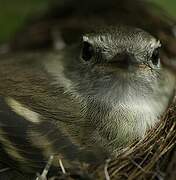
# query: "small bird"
84 102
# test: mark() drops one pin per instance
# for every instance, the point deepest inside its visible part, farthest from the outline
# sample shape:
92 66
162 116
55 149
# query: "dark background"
14 13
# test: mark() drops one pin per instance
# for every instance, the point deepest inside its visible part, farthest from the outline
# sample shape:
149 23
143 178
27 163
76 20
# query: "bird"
83 103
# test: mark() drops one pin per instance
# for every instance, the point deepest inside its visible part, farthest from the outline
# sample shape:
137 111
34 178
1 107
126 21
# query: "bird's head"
117 59
122 47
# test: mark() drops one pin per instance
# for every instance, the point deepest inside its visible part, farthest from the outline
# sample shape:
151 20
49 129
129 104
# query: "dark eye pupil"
87 51
155 56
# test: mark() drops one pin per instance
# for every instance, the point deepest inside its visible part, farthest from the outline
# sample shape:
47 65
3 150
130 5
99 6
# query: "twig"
46 169
106 169
62 166
4 169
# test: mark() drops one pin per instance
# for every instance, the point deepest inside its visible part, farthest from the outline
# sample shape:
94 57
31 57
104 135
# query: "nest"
150 158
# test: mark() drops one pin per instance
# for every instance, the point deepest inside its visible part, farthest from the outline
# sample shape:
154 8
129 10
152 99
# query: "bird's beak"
124 60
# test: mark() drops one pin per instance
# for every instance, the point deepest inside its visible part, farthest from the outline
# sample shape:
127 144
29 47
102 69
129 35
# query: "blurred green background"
13 13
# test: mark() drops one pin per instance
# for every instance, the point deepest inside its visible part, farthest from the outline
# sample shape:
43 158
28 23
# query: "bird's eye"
87 51
156 56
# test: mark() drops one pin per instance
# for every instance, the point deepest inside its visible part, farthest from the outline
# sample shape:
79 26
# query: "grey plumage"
90 100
